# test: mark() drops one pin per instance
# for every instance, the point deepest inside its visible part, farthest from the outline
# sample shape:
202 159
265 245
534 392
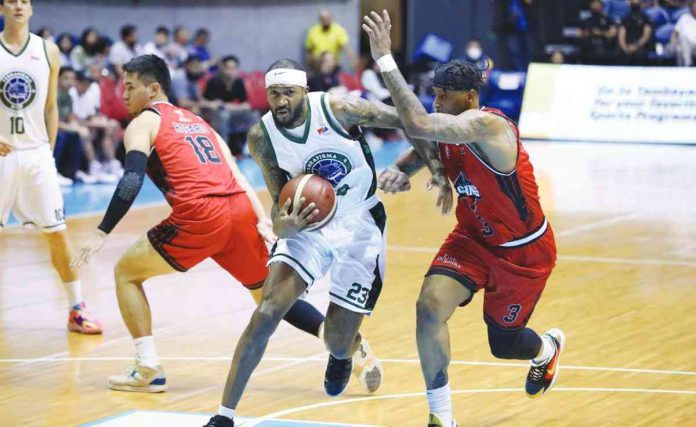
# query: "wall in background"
258 32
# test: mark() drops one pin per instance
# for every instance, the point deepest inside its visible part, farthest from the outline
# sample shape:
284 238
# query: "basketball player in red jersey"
502 243
215 213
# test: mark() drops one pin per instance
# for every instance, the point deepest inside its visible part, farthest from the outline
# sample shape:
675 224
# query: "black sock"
305 316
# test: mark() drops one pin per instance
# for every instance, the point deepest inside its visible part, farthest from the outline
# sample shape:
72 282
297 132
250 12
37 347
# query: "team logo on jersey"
331 166
17 90
467 190
323 130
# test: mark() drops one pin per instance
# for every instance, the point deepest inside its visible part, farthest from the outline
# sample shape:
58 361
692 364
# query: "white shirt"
120 53
373 86
686 27
152 49
87 104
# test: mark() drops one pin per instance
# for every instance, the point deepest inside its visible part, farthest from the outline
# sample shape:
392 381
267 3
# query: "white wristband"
387 63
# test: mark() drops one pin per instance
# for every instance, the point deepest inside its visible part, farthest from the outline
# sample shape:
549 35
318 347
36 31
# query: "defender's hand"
5 147
290 223
444 193
265 229
94 245
392 180
378 27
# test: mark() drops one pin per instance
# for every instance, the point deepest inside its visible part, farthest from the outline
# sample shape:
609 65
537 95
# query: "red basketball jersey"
495 209
186 162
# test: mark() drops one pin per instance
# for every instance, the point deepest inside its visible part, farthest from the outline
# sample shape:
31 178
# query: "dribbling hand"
5 147
94 245
393 181
289 223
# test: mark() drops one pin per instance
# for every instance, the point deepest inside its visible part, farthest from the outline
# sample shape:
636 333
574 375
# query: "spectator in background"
225 104
178 49
326 36
326 78
158 45
557 57
45 33
186 89
125 49
70 128
598 36
87 51
373 83
511 24
672 6
65 46
634 36
86 100
684 37
199 48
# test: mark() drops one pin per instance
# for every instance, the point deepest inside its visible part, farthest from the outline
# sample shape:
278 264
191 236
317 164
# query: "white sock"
74 290
147 352
226 412
548 349
440 403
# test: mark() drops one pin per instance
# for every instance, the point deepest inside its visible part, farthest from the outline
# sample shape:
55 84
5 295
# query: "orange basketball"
314 189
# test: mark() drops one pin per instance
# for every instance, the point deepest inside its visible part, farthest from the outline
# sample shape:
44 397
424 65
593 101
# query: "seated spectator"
86 99
474 53
69 127
225 104
598 36
373 83
126 49
672 5
45 33
65 46
684 37
187 89
178 49
87 51
159 44
634 36
326 77
199 48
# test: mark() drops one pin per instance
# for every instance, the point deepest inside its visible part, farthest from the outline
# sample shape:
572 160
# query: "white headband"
286 76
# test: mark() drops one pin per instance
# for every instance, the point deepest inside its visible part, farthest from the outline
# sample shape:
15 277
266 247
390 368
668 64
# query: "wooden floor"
624 291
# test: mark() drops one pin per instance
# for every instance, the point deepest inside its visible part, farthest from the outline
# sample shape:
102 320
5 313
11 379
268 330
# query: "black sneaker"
220 421
337 375
542 377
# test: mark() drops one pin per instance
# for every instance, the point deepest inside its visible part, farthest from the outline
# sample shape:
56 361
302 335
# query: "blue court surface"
178 419
94 199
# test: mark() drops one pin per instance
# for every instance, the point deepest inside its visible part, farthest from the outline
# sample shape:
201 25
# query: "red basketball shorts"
222 228
512 278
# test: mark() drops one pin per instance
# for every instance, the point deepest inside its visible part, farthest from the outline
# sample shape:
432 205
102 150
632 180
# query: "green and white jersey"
326 149
23 91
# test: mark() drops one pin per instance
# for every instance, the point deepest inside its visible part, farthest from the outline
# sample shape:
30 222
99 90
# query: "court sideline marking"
321 357
303 408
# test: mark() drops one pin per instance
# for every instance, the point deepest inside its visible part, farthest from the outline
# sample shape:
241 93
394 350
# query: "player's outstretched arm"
138 140
264 225
470 126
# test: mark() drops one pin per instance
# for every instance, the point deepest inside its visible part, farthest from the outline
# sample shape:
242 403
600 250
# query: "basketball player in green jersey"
28 127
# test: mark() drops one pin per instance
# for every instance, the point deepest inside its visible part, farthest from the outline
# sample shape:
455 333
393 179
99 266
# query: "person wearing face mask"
634 35
598 36
474 54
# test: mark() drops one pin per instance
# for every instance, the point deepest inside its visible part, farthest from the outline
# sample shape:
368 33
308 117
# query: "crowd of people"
92 112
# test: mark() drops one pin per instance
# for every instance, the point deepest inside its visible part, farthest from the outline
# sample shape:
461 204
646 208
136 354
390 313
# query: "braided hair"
458 75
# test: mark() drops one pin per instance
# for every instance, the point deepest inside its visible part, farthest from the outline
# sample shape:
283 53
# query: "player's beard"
289 119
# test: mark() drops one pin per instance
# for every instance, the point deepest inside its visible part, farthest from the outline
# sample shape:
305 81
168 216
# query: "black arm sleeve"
126 190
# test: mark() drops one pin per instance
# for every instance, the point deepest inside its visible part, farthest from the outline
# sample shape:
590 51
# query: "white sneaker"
434 421
95 168
367 368
85 178
140 379
113 167
64 181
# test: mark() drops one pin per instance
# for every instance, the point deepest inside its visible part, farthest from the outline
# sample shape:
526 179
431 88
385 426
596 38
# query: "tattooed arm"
353 111
286 221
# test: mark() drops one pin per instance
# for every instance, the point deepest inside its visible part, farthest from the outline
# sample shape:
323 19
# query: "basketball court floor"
624 292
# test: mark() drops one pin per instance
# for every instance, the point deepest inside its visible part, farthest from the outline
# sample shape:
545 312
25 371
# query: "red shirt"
186 162
493 208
